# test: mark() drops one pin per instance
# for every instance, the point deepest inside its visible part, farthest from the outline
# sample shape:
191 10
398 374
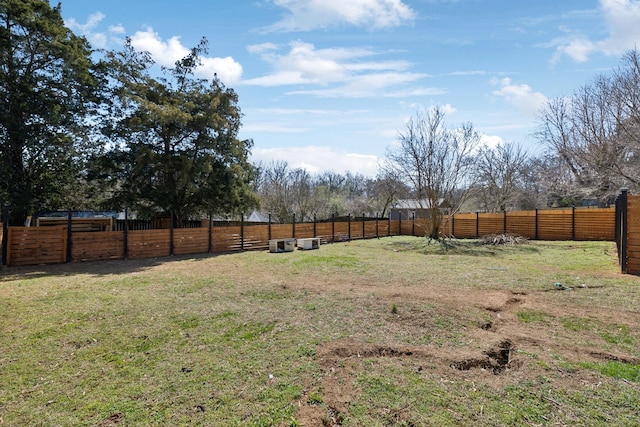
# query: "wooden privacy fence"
59 244
628 232
550 224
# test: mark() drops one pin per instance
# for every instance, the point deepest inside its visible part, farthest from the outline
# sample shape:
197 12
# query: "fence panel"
148 243
356 229
342 232
464 226
190 240
595 224
633 235
97 246
421 228
37 245
383 228
281 231
256 237
555 224
522 223
304 230
370 229
226 239
323 231
490 223
405 227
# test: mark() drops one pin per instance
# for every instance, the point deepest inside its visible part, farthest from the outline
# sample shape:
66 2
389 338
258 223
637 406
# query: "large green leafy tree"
174 140
47 90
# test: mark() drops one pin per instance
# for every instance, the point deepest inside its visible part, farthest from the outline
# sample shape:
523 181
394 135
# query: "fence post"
477 224
377 235
573 223
333 227
413 224
210 237
389 225
125 249
171 233
69 249
536 223
294 225
349 225
5 233
621 213
505 221
363 228
315 230
399 223
242 231
269 232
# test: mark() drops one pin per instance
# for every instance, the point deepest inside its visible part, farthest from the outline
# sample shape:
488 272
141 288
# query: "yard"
378 332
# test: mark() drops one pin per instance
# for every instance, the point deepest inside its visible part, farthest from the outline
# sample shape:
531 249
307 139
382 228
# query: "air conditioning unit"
309 243
282 245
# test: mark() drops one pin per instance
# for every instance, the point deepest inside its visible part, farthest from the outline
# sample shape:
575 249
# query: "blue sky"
329 84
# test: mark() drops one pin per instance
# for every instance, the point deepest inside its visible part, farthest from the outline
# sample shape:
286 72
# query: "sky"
328 85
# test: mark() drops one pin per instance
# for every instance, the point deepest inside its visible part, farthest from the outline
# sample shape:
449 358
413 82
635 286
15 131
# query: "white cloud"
448 109
168 52
371 85
272 128
93 21
491 141
520 96
305 15
318 159
227 69
622 18
97 39
117 29
164 53
261 48
341 72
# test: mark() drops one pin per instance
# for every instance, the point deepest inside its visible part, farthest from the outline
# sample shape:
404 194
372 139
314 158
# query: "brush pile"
508 239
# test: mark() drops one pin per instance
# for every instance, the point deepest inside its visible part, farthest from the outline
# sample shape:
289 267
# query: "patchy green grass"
529 316
245 339
615 369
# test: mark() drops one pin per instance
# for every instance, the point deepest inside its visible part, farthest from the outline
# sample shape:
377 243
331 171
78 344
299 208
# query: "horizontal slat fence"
522 223
44 245
190 241
148 243
633 235
37 245
547 224
97 246
227 238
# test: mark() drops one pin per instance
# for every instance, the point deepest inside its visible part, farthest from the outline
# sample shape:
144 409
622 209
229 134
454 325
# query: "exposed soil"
498 352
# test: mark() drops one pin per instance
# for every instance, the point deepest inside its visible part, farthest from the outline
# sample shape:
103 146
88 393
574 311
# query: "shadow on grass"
97 268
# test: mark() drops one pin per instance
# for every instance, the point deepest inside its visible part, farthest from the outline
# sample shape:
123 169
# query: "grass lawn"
368 333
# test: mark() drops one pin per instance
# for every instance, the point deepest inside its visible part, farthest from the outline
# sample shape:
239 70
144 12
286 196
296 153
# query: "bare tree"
385 190
436 163
302 187
275 191
596 131
499 172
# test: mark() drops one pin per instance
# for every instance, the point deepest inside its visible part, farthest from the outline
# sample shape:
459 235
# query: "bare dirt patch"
500 350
